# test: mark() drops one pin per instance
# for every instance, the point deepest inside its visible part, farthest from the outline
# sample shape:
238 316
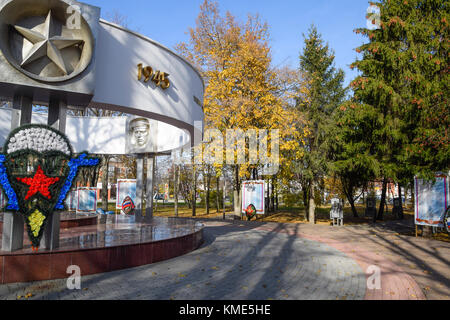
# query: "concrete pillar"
139 187
22 111
57 114
237 203
13 229
50 239
151 164
13 224
16 112
26 104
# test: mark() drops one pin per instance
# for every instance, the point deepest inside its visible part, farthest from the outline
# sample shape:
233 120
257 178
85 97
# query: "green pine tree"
352 160
404 85
325 94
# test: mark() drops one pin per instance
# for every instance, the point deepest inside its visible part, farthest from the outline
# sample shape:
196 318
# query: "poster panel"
87 200
72 200
431 200
125 188
253 193
2 200
166 192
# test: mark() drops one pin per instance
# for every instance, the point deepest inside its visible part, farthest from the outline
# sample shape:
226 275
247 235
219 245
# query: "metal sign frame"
249 198
92 194
119 198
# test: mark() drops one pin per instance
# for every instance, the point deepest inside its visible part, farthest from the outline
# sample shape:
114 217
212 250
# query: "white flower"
38 139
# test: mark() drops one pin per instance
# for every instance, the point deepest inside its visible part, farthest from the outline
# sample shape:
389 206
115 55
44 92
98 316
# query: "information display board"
87 200
166 192
2 200
125 188
337 210
253 193
371 207
72 200
431 200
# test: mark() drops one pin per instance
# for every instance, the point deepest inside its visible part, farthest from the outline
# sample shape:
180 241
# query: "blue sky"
168 21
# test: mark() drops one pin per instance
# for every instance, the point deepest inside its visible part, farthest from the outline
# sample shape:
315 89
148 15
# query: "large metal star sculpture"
47 44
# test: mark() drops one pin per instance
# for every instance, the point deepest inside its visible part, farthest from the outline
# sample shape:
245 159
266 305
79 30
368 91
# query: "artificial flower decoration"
250 212
39 183
128 206
36 174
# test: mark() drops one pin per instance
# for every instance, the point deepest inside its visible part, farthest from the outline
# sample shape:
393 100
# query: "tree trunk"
349 194
383 201
175 189
194 191
276 201
208 190
255 174
205 191
401 201
306 189
237 193
273 194
105 178
312 206
269 194
224 197
352 204
237 202
95 175
217 193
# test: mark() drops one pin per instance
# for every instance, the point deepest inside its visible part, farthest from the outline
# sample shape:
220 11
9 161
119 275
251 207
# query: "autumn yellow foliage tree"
242 90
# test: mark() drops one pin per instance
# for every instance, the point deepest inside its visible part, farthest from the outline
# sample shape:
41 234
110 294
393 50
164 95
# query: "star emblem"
47 43
38 184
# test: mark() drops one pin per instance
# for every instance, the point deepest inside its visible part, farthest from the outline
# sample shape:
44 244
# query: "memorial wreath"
37 171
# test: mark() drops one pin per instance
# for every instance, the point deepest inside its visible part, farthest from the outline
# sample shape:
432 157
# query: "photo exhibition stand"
13 223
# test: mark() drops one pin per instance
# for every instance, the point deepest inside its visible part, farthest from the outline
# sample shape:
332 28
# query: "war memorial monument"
60 54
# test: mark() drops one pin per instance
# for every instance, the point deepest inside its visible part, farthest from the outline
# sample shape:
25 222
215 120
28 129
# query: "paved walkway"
411 268
260 261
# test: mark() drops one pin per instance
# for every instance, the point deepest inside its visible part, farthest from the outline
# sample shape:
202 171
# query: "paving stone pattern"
235 263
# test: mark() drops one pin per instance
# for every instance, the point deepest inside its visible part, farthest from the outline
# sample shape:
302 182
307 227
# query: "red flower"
39 183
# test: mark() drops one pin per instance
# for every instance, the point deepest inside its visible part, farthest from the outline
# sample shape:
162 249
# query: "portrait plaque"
139 136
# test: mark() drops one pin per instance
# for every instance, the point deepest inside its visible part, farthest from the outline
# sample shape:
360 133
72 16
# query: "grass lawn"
167 210
287 215
185 212
298 215
283 215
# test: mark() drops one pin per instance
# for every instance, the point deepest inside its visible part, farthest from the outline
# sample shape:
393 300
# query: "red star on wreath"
39 183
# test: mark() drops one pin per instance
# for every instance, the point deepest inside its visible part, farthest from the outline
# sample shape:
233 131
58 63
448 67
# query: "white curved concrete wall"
104 135
119 51
108 135
177 115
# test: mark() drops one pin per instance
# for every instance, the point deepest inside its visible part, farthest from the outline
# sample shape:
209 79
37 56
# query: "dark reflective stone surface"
116 230
65 216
